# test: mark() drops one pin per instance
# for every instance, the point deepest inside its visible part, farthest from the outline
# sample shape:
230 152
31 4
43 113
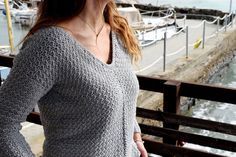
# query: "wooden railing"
172 92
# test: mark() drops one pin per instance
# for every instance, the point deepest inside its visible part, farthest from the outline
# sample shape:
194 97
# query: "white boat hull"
24 17
2 6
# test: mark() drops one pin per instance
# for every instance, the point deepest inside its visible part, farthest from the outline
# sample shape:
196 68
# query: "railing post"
175 21
226 21
230 6
232 19
164 53
156 34
218 24
166 27
143 35
204 34
186 42
152 14
171 105
185 20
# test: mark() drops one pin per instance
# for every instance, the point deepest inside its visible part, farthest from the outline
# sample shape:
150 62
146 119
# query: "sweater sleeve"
136 126
32 76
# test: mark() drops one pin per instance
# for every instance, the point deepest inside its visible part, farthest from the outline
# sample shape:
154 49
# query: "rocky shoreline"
191 13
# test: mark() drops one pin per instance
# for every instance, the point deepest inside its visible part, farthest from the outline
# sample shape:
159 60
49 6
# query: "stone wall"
192 13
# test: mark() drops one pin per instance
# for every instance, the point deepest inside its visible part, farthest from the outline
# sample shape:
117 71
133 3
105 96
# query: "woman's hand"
141 148
140 145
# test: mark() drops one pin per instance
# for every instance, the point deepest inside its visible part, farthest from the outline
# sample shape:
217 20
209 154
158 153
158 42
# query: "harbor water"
216 111
18 31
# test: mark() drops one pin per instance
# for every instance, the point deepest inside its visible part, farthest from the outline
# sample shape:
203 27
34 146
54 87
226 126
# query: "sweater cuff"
136 126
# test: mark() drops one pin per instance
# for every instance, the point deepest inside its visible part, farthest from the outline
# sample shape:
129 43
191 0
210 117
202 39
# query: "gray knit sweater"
87 107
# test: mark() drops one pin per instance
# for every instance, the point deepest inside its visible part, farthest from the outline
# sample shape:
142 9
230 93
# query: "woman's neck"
89 23
93 12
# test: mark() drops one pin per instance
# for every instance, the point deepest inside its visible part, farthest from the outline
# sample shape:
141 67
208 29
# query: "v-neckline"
89 53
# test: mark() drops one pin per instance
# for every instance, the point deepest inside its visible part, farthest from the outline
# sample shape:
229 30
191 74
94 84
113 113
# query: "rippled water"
222 112
18 31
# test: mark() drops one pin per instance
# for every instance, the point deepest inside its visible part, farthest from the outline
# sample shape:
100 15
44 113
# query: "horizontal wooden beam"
170 150
6 61
188 137
192 90
34 117
151 84
208 92
187 121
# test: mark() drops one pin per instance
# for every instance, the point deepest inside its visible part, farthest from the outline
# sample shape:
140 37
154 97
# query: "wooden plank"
169 150
151 84
188 137
208 92
193 90
6 61
34 117
187 121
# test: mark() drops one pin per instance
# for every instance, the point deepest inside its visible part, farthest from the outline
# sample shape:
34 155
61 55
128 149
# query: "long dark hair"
52 12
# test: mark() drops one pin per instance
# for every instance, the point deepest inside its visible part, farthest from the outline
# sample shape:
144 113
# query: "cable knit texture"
87 107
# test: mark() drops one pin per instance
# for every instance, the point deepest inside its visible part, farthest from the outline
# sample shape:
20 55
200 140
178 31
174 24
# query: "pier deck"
154 52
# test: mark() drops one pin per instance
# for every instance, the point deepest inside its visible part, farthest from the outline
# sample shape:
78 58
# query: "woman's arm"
32 76
138 139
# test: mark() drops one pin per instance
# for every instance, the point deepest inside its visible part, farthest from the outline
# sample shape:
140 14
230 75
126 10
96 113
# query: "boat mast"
9 27
230 6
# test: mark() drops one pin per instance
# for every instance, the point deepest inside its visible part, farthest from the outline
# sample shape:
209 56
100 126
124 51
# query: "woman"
76 64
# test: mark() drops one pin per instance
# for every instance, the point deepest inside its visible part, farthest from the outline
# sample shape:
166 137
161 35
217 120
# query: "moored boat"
21 13
2 5
149 29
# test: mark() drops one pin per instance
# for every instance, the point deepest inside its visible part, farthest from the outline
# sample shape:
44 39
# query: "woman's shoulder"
45 42
45 37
